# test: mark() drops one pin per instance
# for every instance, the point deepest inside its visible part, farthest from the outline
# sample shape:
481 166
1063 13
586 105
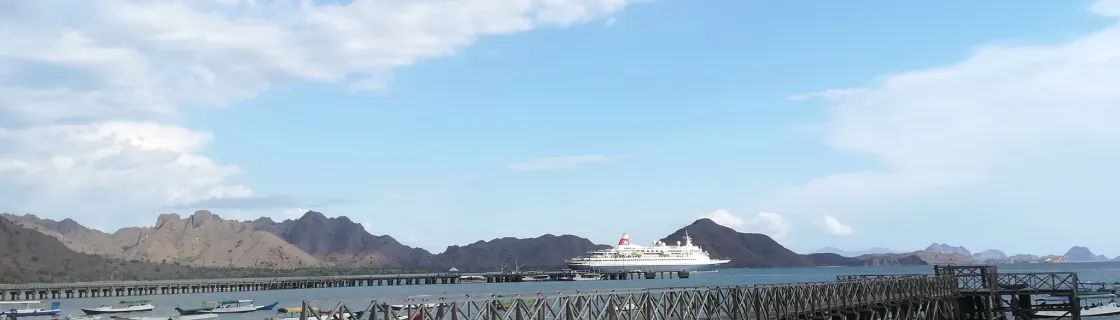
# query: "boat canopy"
135 301
235 301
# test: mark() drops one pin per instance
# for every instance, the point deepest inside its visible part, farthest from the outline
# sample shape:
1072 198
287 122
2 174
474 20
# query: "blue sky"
848 124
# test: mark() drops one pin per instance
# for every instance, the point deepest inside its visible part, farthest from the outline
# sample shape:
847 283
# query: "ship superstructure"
657 257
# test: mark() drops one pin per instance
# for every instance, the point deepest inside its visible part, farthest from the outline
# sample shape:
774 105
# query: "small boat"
126 306
239 306
207 306
471 279
293 313
1092 305
582 276
539 277
179 317
83 318
28 309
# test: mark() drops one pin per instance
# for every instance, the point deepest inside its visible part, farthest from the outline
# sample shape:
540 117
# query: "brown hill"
750 250
72 234
44 258
347 243
344 242
544 252
202 239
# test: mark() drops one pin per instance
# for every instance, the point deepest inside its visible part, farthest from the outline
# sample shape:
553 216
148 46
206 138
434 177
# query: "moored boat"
207 306
11 309
126 306
239 306
1093 305
539 277
582 276
83 318
293 313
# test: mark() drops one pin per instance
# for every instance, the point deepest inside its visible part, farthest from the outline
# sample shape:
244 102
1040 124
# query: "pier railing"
877 299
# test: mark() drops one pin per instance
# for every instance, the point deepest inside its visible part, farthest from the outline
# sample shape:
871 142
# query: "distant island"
203 245
940 253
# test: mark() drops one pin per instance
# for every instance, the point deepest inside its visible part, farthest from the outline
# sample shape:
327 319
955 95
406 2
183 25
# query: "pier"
951 293
31 291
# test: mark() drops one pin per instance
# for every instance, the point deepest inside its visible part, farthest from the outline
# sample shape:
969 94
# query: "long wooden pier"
30 291
952 293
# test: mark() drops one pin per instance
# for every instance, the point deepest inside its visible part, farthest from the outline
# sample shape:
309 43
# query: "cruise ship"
658 257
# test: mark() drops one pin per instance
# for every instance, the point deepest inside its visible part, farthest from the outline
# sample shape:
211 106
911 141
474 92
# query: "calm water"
357 298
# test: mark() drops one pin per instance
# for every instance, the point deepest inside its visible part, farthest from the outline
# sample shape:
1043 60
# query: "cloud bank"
957 125
92 92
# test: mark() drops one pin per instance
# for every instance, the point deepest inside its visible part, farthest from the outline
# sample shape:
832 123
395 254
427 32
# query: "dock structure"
951 293
31 291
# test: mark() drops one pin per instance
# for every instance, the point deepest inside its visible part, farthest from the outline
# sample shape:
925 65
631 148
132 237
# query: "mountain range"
206 240
939 253
201 243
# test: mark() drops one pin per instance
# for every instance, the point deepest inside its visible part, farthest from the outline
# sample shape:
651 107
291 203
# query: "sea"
358 298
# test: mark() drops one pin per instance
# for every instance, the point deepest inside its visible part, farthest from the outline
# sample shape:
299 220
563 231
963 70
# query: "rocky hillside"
72 234
544 252
990 254
1083 254
44 258
202 239
344 242
948 249
347 243
751 250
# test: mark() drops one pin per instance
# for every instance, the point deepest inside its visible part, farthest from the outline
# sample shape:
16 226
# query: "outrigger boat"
294 314
1092 305
240 306
128 306
27 310
230 306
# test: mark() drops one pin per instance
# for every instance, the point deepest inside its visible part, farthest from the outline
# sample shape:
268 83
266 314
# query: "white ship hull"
657 258
640 267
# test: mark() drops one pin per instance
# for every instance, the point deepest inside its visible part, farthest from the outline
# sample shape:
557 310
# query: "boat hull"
92 311
29 313
650 268
187 312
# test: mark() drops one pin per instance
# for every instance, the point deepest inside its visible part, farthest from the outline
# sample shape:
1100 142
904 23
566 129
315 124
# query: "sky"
851 124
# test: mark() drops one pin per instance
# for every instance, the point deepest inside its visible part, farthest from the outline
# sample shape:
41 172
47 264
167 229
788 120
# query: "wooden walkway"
906 298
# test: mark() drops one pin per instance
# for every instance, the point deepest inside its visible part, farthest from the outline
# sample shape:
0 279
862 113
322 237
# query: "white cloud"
725 218
960 124
772 224
294 213
558 163
92 92
834 227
